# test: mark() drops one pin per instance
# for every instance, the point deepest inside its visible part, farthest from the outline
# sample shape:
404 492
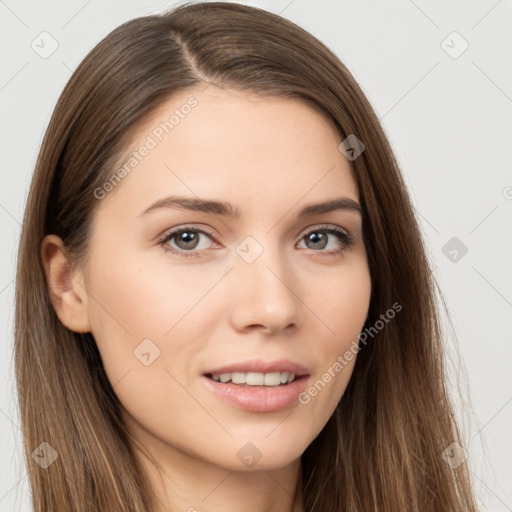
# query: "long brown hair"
382 448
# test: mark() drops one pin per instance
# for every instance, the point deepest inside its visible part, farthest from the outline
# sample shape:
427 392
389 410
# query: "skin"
269 157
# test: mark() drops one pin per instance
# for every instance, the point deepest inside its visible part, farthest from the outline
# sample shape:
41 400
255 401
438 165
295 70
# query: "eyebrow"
228 210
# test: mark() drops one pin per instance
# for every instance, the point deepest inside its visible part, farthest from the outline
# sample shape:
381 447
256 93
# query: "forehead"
235 146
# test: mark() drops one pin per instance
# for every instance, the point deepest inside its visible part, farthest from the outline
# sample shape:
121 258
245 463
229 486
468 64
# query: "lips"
260 366
252 397
260 399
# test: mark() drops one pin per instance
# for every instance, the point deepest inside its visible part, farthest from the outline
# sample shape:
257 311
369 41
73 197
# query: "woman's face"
264 293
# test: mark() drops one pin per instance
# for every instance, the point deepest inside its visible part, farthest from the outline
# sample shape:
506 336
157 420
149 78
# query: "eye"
318 239
187 241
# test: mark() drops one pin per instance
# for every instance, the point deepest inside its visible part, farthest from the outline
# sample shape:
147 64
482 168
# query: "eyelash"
344 237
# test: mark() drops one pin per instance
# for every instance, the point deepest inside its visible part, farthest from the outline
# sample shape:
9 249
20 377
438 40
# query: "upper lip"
261 366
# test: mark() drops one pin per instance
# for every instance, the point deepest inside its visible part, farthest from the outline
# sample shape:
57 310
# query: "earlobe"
66 288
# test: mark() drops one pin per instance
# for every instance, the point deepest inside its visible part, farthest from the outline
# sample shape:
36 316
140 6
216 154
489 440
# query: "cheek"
343 308
133 301
344 302
141 297
144 323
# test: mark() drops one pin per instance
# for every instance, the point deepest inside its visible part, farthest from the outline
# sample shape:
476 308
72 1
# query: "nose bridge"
265 289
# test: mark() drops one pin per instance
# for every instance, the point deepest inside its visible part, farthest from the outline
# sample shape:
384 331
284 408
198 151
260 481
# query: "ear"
67 289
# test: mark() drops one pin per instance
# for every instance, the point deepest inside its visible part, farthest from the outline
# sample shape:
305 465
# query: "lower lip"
258 398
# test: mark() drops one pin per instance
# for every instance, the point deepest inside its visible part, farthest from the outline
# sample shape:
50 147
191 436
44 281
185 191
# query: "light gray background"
448 119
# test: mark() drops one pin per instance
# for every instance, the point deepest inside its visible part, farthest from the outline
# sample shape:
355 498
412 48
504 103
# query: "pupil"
190 242
318 238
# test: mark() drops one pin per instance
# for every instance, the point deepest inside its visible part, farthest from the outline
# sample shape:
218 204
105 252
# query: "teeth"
238 378
255 378
271 379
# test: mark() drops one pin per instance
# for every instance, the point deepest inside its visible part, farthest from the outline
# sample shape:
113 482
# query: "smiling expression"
236 239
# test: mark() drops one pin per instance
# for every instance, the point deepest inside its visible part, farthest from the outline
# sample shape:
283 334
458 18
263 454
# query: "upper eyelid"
175 231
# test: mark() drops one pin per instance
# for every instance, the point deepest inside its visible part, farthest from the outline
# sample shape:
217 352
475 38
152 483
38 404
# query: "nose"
265 294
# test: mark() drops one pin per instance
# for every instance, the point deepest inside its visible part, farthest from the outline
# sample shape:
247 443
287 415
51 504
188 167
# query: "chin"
251 454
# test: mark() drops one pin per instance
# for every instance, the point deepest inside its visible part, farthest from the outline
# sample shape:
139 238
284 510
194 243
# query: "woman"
222 291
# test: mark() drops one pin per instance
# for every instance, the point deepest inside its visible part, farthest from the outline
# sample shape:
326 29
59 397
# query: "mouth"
255 379
258 373
257 391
